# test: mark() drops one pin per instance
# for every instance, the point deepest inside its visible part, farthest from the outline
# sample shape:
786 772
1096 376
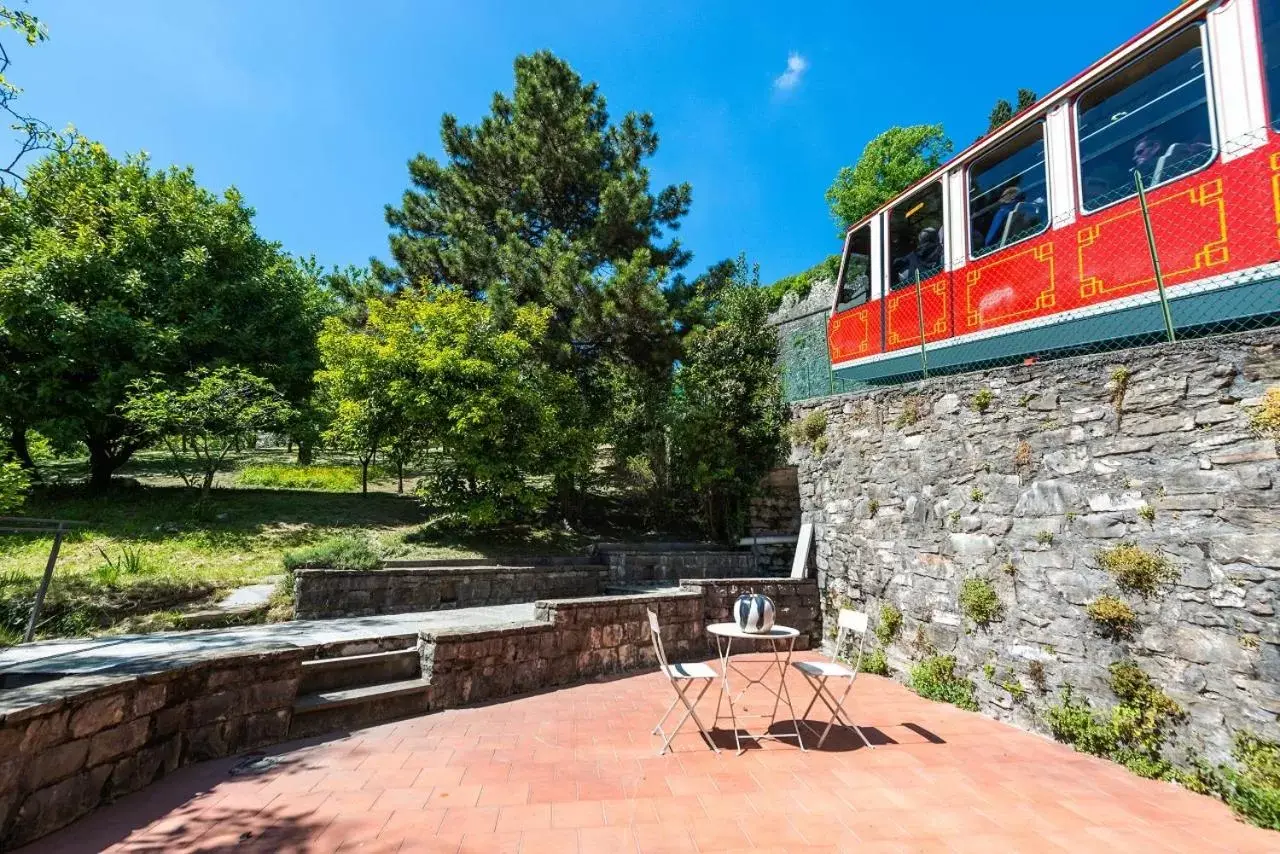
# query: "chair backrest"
655 632
1008 232
1170 160
851 621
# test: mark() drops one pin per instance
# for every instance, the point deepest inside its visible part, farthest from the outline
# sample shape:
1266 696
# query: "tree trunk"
364 476
207 484
400 476
104 459
304 453
18 444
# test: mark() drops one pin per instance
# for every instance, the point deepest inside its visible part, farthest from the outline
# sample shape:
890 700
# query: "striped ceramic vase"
754 613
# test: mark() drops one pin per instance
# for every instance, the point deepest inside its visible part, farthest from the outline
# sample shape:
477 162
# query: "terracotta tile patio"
576 770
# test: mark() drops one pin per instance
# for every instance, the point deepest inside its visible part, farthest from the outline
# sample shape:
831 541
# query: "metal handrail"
27 525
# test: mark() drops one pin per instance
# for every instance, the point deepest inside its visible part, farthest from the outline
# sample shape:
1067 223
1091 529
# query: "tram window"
915 237
1008 198
1151 117
855 281
1269 24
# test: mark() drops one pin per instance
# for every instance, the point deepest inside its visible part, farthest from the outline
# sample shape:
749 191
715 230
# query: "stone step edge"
325 700
345 661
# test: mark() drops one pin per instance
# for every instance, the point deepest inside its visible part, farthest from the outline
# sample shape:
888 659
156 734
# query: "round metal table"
782 642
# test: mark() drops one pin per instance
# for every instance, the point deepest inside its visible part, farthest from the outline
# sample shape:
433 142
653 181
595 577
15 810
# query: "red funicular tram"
1032 240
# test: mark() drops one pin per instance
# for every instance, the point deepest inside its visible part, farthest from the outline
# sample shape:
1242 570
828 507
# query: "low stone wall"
70 745
776 507
671 566
796 601
571 640
328 593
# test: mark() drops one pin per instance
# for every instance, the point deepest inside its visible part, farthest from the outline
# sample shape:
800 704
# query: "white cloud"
790 79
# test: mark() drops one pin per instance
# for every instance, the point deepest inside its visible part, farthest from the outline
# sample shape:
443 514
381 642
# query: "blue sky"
313 108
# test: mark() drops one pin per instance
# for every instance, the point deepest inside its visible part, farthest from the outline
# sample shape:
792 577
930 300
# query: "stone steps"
350 708
356 684
354 671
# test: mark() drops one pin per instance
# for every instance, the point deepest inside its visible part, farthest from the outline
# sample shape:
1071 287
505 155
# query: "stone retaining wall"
571 640
61 756
328 593
924 487
671 566
796 601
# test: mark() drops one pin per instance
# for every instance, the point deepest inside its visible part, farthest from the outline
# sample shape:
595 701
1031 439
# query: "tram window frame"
910 204
1001 154
841 304
1214 145
1270 71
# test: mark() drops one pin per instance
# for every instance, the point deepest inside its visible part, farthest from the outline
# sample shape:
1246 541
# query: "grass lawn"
150 548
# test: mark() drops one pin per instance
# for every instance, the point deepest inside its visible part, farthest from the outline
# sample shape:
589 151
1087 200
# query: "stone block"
110 743
56 806
55 763
148 698
215 707
98 714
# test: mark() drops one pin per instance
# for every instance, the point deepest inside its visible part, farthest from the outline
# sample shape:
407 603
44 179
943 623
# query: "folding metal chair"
682 677
818 672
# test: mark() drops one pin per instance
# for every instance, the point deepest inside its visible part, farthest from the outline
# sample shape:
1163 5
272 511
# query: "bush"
1253 790
979 602
807 430
346 551
1113 615
890 622
322 478
1133 734
1135 569
935 678
874 662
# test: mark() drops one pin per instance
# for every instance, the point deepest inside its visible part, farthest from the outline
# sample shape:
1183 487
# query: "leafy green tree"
1026 99
113 271
889 164
359 388
547 202
728 407
209 414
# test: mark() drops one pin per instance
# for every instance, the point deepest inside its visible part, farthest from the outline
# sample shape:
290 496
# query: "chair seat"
690 671
823 669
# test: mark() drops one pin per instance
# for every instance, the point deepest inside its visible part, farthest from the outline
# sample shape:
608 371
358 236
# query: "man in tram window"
925 259
1010 196
1146 154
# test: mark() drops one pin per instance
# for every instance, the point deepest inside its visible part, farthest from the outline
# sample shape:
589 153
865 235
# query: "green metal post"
924 358
1155 259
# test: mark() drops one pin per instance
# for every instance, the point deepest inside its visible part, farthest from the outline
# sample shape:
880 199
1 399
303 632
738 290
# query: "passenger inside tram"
926 259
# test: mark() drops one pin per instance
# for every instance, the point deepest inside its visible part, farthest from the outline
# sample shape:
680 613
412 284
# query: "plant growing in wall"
888 625
1137 570
1022 455
1119 386
809 429
979 601
982 400
1113 616
1265 419
912 409
935 678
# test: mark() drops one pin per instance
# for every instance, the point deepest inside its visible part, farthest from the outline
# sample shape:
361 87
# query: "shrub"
979 602
1135 731
1135 569
1119 385
935 678
982 400
1265 420
1253 790
873 507
820 445
976 495
807 430
875 662
1045 538
1113 615
346 551
889 624
1147 513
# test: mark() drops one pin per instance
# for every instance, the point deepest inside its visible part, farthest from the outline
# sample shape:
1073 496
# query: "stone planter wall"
328 593
70 745
671 566
920 488
796 601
